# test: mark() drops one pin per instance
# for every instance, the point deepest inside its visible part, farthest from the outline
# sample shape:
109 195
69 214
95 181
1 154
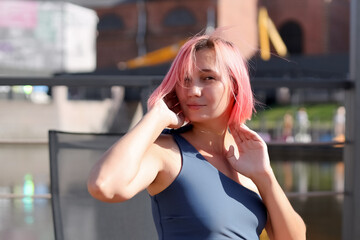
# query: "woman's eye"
209 78
187 81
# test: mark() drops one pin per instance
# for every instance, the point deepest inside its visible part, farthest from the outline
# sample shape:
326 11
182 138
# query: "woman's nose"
194 90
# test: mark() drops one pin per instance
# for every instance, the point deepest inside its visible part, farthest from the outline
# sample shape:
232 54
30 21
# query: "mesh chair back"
76 214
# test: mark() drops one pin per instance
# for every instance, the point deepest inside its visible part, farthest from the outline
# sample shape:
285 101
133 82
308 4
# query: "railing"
322 151
146 81
284 151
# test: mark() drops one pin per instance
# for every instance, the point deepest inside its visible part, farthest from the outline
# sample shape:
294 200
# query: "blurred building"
312 26
315 32
131 28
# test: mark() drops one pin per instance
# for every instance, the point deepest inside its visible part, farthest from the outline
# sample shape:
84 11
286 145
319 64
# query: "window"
110 22
292 35
179 17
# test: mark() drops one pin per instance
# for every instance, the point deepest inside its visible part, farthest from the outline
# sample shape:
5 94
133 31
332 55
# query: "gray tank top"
203 203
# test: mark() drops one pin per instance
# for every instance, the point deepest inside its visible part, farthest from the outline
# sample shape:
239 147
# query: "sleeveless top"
203 203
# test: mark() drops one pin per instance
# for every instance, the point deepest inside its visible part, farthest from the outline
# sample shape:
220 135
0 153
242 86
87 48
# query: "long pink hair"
231 64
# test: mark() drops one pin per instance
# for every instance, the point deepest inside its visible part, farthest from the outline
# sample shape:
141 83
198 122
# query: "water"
323 213
322 216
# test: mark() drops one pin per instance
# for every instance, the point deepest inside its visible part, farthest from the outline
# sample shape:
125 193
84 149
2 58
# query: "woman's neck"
209 138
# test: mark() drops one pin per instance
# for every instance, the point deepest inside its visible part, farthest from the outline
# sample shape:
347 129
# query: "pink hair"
230 62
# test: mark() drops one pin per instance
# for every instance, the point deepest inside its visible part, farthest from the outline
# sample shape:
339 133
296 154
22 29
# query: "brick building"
131 28
312 26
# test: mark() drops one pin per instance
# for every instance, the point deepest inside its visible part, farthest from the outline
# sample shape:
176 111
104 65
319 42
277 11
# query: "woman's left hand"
253 158
253 162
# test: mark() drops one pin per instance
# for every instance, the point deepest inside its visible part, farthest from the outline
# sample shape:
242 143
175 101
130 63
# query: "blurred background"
83 52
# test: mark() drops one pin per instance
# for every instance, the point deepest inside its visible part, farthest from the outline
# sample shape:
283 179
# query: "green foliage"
321 115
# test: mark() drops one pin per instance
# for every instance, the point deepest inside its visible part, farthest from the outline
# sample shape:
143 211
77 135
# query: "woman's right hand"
133 163
170 109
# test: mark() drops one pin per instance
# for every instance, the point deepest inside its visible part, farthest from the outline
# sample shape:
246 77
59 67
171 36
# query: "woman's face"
205 95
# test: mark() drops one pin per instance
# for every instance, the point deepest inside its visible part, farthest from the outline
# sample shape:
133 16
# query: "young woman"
208 175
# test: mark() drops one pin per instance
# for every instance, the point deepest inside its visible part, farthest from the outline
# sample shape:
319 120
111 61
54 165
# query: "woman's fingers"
250 134
171 106
176 108
234 132
181 117
238 137
171 101
230 155
245 138
241 133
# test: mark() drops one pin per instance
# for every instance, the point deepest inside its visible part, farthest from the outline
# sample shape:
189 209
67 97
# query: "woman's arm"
253 162
285 223
134 161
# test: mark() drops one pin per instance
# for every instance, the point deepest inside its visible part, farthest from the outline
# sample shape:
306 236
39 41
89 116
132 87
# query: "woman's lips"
195 106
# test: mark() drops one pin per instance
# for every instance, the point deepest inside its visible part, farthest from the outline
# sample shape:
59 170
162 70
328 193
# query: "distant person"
339 124
339 136
303 125
288 125
207 174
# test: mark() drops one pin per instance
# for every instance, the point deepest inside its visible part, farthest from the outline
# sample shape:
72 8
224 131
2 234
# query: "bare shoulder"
166 141
164 144
166 148
168 153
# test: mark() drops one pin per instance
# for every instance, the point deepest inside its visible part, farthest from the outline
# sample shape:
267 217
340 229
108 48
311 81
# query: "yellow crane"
159 56
267 33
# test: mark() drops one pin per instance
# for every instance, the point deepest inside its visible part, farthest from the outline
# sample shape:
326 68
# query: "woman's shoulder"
165 140
165 144
166 151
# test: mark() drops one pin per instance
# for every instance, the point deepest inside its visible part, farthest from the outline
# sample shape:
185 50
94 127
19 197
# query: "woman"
208 175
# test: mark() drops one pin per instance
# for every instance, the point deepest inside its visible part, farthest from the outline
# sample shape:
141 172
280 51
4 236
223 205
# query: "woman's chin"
198 119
